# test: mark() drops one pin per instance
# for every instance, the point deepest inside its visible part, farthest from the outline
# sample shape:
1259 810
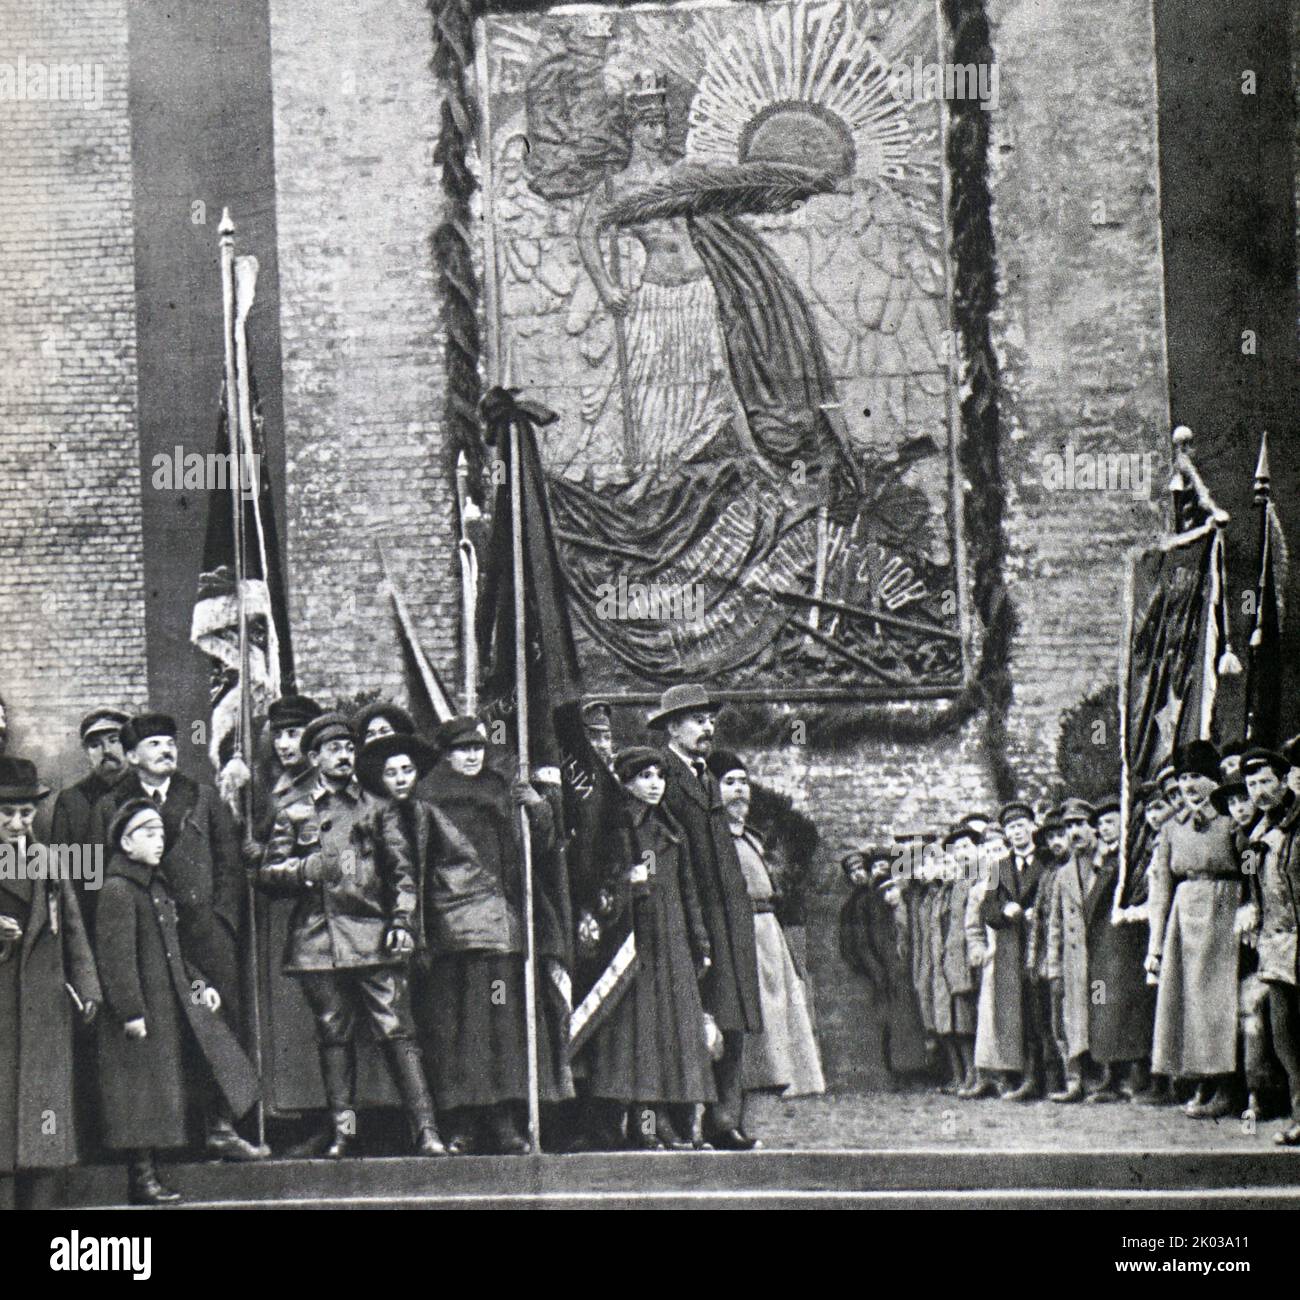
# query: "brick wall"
71 590
356 113
1078 334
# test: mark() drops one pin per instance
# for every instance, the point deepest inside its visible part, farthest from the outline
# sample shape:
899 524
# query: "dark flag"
214 628
1264 671
597 848
1175 650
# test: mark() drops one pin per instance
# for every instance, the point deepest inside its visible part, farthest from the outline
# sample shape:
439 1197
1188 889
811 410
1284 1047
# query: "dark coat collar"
138 873
686 777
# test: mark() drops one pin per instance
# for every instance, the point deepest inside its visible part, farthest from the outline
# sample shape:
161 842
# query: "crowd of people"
1021 952
389 873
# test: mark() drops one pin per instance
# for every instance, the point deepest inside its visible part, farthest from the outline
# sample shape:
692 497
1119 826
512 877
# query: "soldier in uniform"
202 866
730 989
353 930
600 731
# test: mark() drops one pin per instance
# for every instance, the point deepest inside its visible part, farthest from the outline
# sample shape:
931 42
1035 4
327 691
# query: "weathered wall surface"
71 587
356 115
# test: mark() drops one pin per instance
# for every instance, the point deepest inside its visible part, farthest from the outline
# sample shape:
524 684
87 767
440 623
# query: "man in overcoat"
47 982
730 990
204 872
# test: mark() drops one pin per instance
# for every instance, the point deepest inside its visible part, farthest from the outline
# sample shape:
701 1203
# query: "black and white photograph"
669 605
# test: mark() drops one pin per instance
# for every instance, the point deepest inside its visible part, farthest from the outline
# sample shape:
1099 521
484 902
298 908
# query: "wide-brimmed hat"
293 711
690 697
144 725
1220 795
19 782
1197 758
634 760
371 760
102 719
126 816
398 718
327 727
464 729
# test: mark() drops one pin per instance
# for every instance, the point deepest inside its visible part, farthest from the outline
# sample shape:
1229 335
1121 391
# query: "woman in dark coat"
47 976
160 1048
647 1056
469 974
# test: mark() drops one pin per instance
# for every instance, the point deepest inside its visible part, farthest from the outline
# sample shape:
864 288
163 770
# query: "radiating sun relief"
715 249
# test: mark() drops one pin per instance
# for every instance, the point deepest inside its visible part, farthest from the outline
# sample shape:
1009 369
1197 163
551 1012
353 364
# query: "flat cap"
102 719
326 727
293 711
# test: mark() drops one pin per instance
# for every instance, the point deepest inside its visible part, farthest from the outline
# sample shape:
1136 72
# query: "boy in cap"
1196 895
160 1038
203 867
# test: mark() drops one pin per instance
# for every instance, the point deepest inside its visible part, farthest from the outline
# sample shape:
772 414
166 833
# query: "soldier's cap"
1014 811
1258 757
1220 795
1079 810
1197 758
19 782
133 813
690 697
328 726
960 832
144 725
292 711
596 715
398 718
373 756
722 761
462 731
1110 804
102 719
634 760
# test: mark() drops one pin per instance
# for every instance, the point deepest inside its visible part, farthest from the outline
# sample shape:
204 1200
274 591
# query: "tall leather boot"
407 1064
146 1187
338 1073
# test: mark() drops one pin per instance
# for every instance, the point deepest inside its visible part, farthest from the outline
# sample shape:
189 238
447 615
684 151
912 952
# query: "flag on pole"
214 627
1175 650
597 843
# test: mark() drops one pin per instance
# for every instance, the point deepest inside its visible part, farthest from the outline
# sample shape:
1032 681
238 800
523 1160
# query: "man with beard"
1274 855
730 990
71 821
203 870
784 1055
353 929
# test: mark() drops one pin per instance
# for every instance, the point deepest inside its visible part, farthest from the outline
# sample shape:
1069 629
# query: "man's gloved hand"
399 941
135 1028
10 930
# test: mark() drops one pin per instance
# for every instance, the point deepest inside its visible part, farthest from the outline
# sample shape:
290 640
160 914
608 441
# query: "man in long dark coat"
44 952
730 990
204 873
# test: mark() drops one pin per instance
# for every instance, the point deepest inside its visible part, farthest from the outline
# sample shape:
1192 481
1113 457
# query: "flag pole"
521 729
237 415
1263 496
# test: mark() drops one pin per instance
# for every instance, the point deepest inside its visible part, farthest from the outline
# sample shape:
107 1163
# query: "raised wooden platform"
913 1178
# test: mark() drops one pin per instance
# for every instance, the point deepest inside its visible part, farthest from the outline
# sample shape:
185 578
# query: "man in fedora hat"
203 869
1196 918
47 981
730 988
72 818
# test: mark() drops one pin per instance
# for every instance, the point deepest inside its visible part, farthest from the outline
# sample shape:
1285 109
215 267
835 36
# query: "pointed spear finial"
1262 485
1182 440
